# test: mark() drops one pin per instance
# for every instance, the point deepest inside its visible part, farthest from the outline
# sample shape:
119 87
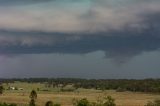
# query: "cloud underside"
126 46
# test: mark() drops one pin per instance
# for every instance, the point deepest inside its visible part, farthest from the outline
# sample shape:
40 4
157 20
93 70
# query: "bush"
105 101
50 103
109 101
82 102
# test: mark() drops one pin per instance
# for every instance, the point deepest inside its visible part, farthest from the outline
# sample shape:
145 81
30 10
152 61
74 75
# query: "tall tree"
33 97
1 89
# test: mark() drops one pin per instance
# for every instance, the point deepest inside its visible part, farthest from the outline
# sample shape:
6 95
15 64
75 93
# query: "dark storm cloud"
124 43
120 28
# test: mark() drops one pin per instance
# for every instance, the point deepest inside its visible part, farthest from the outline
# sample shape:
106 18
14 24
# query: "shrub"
105 101
50 103
82 102
109 101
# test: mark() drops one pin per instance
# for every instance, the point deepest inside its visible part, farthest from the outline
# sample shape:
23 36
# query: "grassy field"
21 97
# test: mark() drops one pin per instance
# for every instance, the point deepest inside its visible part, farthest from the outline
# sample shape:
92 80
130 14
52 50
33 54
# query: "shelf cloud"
31 26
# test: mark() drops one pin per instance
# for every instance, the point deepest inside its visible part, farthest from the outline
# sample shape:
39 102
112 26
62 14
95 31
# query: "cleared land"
21 97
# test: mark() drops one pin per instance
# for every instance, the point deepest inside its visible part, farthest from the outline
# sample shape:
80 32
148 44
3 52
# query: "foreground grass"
65 98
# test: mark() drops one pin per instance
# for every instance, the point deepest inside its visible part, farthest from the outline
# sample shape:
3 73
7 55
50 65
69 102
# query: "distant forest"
120 85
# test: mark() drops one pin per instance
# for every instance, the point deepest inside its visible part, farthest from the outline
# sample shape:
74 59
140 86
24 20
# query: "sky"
80 38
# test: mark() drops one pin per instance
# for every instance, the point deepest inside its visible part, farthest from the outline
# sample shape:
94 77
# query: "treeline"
145 85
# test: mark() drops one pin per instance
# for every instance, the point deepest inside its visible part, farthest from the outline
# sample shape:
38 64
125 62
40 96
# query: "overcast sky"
67 38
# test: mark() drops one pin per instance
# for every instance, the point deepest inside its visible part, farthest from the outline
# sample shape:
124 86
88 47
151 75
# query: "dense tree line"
145 85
